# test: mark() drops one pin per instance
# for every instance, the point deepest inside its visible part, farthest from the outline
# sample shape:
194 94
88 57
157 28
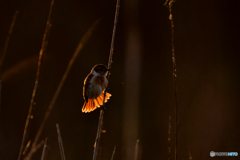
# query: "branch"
42 51
81 44
44 153
60 143
114 150
34 150
96 145
136 149
8 38
169 4
5 50
26 148
169 138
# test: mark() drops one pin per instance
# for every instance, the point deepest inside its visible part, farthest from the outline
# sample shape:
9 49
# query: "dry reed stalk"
26 148
114 150
5 50
60 143
80 46
99 130
44 152
8 39
42 51
169 4
169 138
34 150
136 150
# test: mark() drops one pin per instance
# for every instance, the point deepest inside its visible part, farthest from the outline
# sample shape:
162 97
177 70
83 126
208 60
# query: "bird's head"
100 70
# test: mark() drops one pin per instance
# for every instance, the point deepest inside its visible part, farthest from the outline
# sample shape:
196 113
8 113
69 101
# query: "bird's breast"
96 86
100 80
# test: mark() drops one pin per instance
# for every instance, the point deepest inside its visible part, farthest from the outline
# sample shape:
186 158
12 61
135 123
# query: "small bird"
93 89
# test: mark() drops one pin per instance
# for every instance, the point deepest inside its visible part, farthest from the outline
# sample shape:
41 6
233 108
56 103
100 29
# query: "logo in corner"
212 154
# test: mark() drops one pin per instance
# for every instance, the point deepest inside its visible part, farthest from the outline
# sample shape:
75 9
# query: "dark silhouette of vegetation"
99 130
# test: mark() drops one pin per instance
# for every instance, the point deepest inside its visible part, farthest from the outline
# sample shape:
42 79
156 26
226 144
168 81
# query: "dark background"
207 57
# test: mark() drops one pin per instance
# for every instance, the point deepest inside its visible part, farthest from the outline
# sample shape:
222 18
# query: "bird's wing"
86 86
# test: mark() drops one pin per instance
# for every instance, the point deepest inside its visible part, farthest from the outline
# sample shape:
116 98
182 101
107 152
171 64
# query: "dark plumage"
94 85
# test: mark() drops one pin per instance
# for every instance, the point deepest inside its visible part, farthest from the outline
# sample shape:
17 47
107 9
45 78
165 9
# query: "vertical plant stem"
136 150
114 150
0 94
5 50
98 134
60 143
34 150
112 44
169 138
26 148
99 130
83 41
42 51
44 152
8 39
169 5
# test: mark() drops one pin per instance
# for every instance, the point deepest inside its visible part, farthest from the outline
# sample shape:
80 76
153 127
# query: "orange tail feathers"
93 104
89 106
99 101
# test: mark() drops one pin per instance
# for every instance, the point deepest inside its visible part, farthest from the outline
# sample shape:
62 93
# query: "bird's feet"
103 107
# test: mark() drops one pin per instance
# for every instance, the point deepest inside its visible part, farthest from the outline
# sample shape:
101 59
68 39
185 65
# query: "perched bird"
94 86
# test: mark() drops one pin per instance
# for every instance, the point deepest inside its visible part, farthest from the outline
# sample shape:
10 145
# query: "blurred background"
207 56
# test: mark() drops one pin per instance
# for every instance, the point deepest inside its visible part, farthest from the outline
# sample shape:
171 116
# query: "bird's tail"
91 105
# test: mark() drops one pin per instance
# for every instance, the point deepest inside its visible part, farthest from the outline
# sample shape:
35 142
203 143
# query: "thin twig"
8 38
44 152
60 143
169 5
34 150
114 150
0 94
5 50
83 41
169 138
109 67
42 51
96 144
26 148
136 150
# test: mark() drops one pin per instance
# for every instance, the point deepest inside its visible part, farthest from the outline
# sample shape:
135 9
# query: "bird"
93 89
